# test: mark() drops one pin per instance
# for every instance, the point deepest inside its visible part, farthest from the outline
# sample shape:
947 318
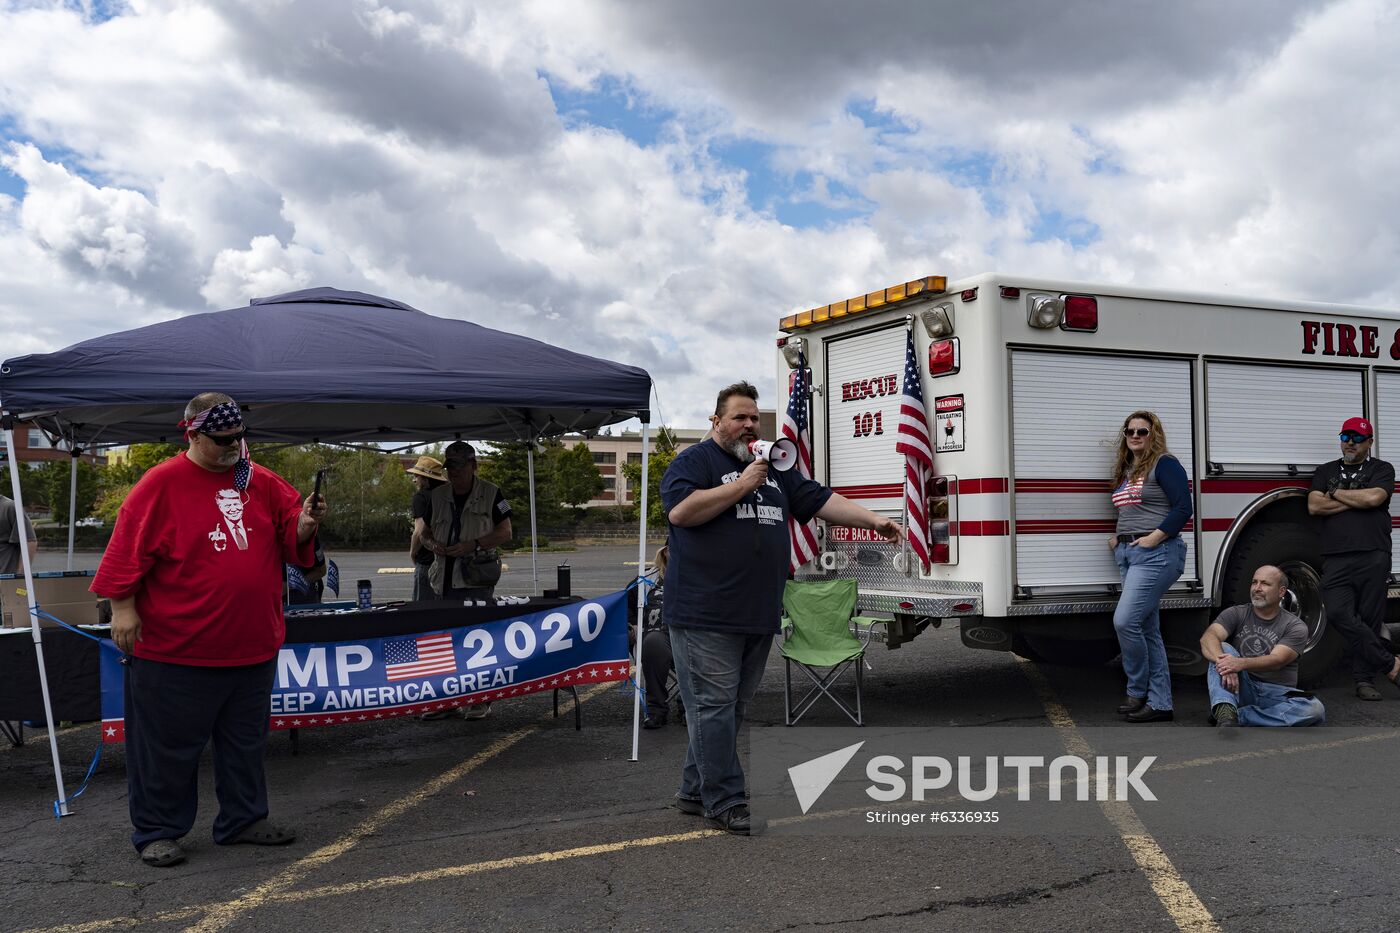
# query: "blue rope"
57 621
96 757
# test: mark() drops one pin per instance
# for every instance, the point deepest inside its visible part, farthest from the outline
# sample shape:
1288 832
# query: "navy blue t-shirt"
728 574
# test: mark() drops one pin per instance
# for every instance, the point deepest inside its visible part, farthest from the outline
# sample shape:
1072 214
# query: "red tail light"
943 357
1081 313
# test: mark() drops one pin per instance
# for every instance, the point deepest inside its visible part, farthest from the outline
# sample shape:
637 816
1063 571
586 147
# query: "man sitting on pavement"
1253 650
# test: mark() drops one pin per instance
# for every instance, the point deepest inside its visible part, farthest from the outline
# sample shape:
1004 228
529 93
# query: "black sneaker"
1226 714
686 805
654 721
735 820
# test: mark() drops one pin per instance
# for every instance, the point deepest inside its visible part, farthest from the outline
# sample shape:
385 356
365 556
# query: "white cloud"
191 155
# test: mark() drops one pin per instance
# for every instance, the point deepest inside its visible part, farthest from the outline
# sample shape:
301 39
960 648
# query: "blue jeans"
422 588
718 673
1147 575
1264 704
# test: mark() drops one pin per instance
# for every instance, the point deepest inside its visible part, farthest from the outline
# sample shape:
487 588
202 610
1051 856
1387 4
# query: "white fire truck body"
1026 383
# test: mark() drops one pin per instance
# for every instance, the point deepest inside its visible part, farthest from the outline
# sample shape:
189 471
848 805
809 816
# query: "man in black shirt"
1353 497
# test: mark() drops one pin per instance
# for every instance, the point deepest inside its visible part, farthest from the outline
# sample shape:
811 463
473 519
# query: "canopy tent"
319 365
323 365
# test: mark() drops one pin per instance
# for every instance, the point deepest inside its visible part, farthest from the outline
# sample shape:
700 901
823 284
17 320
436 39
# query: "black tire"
1297 552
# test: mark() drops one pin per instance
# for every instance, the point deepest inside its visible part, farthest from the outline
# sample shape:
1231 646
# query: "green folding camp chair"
819 641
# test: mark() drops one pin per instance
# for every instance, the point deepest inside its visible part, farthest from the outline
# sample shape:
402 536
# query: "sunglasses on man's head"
1351 437
1136 432
228 440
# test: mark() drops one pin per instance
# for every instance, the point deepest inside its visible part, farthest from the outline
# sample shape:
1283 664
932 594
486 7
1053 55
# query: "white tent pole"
73 456
534 535
33 617
641 603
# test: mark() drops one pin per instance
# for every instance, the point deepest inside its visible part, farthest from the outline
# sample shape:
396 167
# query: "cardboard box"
61 594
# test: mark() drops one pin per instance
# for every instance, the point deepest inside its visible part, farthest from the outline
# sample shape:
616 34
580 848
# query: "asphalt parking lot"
517 821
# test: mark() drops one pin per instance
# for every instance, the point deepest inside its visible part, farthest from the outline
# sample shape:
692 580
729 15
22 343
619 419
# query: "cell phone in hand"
316 493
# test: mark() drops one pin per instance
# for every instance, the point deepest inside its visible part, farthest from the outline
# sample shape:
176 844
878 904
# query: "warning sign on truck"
948 423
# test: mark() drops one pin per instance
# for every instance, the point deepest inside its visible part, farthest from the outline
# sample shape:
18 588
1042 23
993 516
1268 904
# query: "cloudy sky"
658 181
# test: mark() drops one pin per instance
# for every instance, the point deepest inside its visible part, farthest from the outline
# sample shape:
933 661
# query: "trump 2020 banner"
330 683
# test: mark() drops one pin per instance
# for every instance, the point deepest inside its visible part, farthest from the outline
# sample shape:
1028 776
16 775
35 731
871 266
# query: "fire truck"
1026 383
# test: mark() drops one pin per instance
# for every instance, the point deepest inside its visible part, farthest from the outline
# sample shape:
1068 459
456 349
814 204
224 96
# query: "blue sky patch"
99 11
612 105
792 198
1078 232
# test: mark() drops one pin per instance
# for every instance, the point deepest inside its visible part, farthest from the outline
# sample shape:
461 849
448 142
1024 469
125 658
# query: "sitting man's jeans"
1264 704
718 673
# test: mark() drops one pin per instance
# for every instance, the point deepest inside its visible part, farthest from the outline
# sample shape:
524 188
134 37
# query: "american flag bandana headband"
220 418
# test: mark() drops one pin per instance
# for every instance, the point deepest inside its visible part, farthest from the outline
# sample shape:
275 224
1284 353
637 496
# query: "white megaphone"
780 454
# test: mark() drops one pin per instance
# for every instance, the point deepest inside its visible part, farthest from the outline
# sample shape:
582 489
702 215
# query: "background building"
33 447
611 451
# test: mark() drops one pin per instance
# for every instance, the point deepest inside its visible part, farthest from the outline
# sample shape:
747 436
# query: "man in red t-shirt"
194 573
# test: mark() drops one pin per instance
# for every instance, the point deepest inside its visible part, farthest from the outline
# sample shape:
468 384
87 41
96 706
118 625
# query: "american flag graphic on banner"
419 657
798 429
913 442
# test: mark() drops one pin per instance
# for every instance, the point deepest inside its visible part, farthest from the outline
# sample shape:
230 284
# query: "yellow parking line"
394 881
221 915
459 871
1180 901
1183 904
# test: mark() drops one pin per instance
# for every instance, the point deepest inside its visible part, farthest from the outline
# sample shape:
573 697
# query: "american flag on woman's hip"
913 441
797 428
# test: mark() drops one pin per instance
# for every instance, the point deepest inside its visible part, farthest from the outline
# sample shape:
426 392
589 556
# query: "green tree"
54 478
508 468
30 486
576 477
662 454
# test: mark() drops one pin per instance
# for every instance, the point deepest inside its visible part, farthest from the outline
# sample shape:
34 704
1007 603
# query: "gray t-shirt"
10 536
1254 637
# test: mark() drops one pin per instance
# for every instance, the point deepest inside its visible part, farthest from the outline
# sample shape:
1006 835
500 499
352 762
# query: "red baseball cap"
1358 426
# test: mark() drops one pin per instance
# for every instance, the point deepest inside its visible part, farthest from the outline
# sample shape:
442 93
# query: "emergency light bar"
928 285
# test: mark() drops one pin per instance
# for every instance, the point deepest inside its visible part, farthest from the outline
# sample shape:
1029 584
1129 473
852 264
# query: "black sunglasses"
458 464
228 440
1136 432
1351 437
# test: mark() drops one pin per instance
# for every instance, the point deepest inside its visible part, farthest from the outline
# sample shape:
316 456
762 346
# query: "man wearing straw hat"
428 475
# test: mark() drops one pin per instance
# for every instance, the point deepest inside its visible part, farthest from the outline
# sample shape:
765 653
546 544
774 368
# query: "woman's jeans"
1147 575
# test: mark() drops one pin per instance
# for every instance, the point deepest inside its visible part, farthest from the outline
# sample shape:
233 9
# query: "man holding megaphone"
728 500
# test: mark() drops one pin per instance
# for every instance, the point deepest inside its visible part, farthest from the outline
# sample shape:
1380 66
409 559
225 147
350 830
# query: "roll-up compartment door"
1270 418
863 391
1387 419
1068 412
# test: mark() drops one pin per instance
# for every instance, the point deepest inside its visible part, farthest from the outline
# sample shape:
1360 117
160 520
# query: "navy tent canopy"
322 365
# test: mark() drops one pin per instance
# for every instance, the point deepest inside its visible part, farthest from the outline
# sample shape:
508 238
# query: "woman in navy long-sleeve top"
1153 499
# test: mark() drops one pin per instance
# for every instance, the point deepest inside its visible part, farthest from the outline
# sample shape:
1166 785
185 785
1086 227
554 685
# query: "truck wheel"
1299 554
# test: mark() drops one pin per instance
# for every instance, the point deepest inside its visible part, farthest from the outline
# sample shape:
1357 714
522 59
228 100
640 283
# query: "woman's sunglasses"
228 440
1136 432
